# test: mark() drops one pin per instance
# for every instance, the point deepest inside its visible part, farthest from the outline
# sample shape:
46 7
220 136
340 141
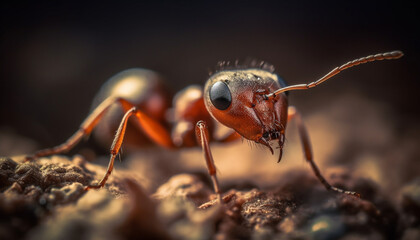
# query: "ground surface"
45 199
156 194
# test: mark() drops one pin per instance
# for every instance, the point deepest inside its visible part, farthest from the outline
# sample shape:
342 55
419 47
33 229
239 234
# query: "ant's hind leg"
294 114
85 129
202 134
150 127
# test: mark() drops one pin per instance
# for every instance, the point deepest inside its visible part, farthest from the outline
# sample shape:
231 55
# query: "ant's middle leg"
115 148
151 128
294 114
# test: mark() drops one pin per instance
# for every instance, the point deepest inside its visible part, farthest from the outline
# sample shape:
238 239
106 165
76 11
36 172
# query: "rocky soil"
44 199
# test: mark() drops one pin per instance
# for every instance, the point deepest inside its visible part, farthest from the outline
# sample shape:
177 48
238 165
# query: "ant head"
237 99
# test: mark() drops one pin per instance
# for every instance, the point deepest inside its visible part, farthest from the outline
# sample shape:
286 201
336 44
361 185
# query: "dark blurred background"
55 55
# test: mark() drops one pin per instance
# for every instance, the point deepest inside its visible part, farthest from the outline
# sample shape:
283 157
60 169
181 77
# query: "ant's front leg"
202 135
306 144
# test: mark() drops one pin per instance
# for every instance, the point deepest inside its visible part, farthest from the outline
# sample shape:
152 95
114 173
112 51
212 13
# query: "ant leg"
154 130
85 129
115 148
202 134
293 113
151 128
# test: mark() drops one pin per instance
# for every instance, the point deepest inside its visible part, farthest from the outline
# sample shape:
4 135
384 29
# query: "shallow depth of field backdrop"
55 56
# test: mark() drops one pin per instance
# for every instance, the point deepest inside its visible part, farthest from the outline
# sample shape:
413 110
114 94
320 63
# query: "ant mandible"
252 101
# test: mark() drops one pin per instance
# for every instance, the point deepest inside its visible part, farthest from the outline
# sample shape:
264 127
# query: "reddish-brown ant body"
252 101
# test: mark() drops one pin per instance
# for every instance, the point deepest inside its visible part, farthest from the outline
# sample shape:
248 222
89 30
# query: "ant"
251 100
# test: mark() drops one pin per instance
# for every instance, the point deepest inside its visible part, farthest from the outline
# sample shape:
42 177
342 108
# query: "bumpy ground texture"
159 194
44 199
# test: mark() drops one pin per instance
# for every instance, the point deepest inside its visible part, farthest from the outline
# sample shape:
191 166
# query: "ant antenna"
380 56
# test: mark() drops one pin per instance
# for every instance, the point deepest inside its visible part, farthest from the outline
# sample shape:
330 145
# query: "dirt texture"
45 199
160 194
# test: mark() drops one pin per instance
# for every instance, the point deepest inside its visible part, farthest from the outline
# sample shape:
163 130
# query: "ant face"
236 99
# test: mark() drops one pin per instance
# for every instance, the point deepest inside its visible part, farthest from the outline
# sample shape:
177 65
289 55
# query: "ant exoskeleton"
252 101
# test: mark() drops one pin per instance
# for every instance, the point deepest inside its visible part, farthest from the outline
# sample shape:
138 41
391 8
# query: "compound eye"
220 95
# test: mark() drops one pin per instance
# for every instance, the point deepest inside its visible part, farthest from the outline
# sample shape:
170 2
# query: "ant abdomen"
145 89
